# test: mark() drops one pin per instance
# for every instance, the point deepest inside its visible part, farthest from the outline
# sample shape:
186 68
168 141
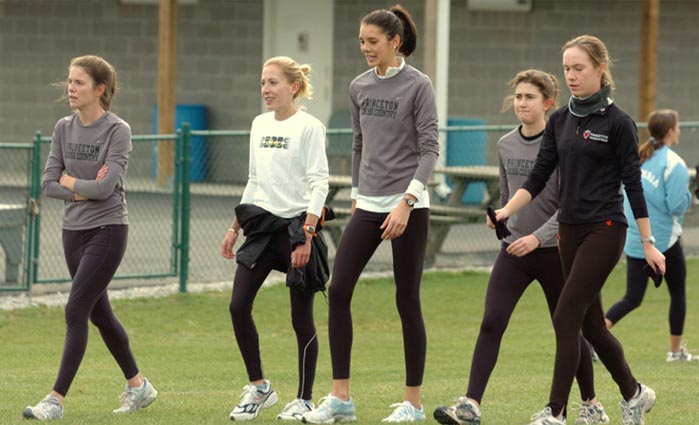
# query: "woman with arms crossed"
86 168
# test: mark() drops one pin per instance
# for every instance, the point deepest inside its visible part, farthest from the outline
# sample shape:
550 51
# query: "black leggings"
93 257
589 253
637 282
509 279
358 243
246 283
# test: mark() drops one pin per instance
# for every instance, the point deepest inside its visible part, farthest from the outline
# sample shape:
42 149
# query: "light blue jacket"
666 188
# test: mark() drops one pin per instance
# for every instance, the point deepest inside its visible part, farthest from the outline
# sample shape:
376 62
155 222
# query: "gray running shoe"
545 417
253 401
134 399
633 411
591 414
464 412
681 356
45 410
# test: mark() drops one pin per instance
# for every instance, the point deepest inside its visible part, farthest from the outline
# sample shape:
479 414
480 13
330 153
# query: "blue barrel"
195 115
467 148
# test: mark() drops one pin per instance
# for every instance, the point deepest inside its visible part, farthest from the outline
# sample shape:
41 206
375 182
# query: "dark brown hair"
101 72
659 123
395 21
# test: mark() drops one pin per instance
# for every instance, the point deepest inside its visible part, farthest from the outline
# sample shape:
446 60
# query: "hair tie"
653 140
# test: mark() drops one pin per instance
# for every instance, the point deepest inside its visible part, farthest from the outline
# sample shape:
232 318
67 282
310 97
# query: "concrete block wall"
220 54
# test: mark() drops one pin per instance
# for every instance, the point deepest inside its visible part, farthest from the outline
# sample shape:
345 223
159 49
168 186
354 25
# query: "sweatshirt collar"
594 104
392 71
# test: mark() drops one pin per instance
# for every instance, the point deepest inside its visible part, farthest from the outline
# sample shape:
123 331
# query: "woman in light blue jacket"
665 186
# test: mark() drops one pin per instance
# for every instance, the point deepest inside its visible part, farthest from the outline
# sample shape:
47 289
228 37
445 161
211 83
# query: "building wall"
220 47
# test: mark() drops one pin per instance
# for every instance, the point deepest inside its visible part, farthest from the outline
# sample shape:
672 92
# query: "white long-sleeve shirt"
288 166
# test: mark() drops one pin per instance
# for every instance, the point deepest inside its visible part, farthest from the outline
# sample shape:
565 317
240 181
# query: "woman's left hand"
523 246
654 258
396 222
301 254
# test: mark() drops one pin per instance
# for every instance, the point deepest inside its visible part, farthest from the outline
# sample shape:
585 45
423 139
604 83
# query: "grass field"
185 346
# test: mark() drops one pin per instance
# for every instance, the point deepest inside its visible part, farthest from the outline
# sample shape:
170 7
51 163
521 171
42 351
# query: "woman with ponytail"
593 144
394 120
279 213
529 253
664 176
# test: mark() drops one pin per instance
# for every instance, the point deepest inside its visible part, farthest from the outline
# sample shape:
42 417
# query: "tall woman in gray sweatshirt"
394 119
86 169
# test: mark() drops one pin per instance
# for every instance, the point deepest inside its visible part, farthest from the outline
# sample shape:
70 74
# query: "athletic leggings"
589 253
93 257
637 282
246 283
509 279
358 243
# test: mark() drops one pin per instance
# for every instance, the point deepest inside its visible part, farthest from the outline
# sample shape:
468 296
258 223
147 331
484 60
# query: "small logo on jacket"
587 134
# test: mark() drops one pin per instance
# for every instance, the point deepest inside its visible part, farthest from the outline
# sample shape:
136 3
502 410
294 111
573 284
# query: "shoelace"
542 414
402 411
627 415
128 398
586 411
249 394
44 406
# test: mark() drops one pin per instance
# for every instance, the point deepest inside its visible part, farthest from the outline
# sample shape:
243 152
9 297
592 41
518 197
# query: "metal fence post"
33 215
186 142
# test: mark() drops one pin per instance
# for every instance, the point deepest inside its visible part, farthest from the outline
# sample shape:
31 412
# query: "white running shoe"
405 412
252 401
330 410
590 414
134 399
295 409
633 411
47 409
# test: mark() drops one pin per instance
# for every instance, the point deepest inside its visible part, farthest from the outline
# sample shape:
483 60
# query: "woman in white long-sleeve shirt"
287 183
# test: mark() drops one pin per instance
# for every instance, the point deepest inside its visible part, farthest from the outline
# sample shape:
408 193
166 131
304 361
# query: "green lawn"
185 346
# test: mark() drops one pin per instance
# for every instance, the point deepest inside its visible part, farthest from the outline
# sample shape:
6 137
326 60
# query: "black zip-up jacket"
596 154
258 226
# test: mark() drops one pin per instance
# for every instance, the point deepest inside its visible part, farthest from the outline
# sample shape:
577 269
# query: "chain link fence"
176 224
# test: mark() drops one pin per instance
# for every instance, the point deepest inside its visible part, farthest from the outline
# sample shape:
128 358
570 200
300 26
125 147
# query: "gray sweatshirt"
517 156
394 122
81 151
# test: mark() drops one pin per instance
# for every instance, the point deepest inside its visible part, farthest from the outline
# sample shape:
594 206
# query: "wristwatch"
410 202
309 228
650 239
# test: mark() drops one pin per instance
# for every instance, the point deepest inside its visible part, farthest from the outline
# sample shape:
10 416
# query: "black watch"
410 202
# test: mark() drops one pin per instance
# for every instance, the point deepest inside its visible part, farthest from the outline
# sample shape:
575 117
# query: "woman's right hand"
654 258
228 244
354 205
